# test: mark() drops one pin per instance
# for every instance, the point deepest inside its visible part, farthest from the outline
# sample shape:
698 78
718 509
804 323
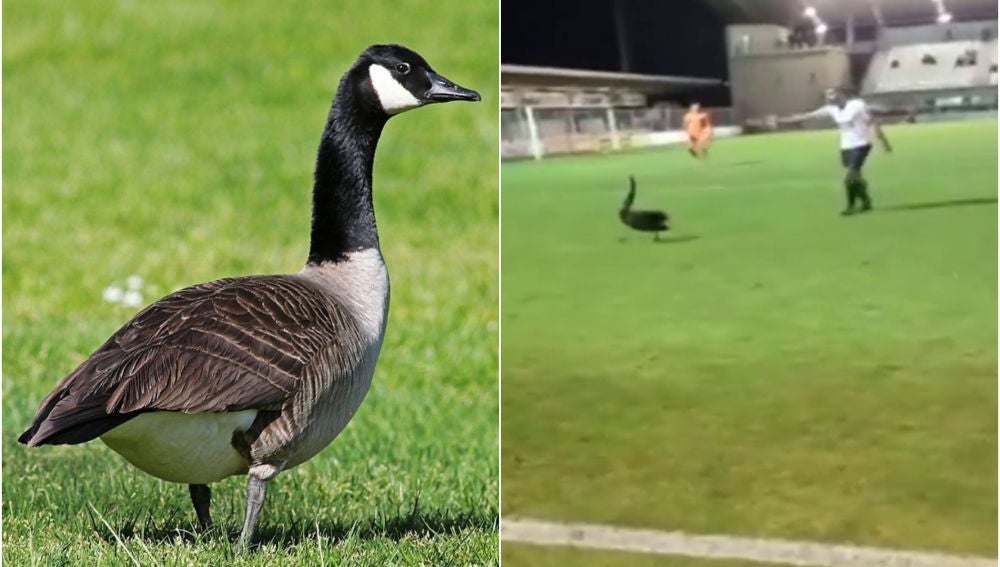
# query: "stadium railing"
589 130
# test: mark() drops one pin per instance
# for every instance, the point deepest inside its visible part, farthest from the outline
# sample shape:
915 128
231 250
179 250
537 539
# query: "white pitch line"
725 547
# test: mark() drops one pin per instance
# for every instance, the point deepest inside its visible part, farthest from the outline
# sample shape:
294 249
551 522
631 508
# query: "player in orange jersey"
698 125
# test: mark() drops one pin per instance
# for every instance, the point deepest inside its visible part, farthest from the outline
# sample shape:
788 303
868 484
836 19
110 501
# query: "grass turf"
176 141
771 369
521 555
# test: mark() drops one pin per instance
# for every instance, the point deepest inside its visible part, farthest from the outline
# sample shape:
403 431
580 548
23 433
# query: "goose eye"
403 68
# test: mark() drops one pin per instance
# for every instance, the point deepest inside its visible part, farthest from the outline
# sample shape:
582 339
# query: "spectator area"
933 66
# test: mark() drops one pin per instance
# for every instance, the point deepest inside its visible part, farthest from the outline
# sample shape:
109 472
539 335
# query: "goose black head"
396 79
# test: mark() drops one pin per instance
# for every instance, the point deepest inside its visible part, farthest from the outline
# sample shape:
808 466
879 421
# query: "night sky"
666 37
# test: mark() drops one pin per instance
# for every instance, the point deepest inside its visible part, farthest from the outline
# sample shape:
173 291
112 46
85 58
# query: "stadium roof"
556 78
891 12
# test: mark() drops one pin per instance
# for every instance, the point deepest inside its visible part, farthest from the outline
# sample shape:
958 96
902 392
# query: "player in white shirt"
856 124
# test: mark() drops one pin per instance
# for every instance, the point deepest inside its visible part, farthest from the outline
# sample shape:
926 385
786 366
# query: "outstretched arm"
799 118
880 134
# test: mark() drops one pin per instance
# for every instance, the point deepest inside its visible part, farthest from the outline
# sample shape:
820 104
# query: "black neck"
343 217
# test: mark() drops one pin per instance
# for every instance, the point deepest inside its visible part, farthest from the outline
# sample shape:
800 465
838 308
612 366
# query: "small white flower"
132 299
134 282
112 294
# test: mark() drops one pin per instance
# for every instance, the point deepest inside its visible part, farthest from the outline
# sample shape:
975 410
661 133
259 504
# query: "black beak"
443 90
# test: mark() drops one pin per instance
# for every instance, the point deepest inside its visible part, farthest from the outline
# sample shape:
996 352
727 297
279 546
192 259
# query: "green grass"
176 141
773 369
519 555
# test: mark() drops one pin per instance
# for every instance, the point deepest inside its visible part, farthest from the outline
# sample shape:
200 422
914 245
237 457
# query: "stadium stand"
898 54
933 66
942 79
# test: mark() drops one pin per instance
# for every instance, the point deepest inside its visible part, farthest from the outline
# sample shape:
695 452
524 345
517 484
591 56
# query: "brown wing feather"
227 345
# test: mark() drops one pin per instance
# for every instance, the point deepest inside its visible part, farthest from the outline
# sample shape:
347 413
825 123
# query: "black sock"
852 193
862 191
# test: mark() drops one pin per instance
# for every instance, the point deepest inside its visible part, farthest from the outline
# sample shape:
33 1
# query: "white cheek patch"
391 94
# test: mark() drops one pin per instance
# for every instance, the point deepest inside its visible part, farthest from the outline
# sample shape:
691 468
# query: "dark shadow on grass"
940 204
661 240
144 526
677 239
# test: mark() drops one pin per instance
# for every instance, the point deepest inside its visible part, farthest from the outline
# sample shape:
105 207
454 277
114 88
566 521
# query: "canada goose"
646 221
254 375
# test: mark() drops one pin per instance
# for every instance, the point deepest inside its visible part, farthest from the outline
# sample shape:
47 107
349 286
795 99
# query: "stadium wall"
937 33
520 148
680 136
538 132
785 81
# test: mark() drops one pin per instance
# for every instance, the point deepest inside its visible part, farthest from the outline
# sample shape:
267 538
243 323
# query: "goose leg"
201 497
256 487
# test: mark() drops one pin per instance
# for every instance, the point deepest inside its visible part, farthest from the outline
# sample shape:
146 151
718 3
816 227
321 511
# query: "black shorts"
854 158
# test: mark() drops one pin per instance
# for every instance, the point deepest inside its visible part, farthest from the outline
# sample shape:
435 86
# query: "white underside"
192 448
197 448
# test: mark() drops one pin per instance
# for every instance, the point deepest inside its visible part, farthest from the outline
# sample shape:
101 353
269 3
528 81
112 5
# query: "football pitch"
770 369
